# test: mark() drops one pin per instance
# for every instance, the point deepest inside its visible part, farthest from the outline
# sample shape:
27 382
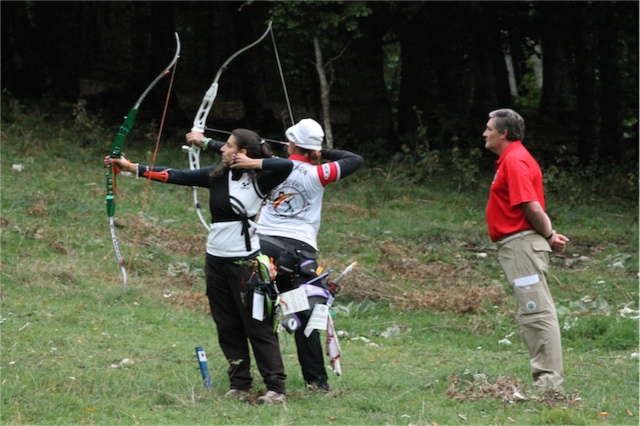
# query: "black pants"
231 310
310 352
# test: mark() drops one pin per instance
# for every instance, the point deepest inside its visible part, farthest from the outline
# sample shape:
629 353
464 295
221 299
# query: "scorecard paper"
318 319
294 301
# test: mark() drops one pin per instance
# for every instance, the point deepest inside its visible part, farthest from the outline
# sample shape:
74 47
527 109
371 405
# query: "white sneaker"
272 397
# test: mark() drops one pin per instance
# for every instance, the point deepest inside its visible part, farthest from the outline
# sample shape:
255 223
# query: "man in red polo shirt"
522 229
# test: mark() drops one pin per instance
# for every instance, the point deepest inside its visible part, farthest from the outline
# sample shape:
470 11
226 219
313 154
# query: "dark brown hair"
315 155
251 142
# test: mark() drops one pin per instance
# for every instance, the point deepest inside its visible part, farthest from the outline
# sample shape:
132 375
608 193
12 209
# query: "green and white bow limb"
116 152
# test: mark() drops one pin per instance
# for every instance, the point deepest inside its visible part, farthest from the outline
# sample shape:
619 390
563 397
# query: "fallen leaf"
629 413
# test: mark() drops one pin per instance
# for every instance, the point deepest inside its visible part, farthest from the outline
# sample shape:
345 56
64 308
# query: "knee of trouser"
226 327
538 322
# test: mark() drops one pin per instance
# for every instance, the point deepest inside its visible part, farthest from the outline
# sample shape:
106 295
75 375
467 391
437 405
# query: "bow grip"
116 150
205 107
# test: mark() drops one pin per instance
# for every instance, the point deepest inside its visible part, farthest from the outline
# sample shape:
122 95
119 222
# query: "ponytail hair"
250 141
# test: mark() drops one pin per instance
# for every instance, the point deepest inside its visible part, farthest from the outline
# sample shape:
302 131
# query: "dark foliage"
455 62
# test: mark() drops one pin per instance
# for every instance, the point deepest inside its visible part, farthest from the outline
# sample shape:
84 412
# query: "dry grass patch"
507 389
193 301
143 231
440 286
350 209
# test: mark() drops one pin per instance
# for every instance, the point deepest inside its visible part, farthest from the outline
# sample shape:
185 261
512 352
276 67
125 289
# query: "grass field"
426 320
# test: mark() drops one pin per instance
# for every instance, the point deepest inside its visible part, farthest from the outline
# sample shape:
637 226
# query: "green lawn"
426 321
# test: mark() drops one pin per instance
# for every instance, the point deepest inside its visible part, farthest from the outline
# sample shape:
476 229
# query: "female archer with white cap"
288 227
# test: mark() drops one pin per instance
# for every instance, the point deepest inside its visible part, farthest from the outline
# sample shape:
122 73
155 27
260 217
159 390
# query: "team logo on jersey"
289 200
282 197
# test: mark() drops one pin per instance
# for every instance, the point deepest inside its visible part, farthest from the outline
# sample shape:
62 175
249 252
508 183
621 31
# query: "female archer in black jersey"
237 188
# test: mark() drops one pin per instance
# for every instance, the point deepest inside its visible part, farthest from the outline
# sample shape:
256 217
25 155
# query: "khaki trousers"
525 261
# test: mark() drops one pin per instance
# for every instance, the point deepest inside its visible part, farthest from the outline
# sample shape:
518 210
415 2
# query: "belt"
286 246
504 240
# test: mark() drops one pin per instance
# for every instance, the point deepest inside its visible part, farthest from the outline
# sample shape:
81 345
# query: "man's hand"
558 242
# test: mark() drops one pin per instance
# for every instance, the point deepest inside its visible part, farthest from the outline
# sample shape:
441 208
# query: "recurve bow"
201 118
116 152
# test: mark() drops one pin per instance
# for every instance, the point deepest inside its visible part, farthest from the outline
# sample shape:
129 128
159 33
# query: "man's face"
494 141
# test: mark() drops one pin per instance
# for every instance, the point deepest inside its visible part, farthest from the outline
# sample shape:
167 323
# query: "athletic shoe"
240 395
272 397
318 387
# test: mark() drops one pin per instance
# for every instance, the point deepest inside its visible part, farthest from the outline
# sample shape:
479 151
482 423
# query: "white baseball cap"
307 134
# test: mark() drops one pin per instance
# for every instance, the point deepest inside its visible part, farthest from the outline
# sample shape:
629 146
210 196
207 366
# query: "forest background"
415 77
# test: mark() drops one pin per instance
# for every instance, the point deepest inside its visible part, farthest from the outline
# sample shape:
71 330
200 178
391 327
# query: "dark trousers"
231 311
310 351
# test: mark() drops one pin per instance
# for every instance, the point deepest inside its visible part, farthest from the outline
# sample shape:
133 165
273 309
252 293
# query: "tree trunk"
586 94
370 121
557 100
489 69
22 50
418 81
324 93
611 131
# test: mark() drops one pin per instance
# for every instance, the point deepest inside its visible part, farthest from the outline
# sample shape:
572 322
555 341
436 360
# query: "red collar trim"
299 158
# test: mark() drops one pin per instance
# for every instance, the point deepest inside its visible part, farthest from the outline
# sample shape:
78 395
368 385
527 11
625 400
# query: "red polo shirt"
518 180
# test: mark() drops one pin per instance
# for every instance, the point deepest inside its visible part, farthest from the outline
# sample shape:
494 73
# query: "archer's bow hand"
195 138
118 164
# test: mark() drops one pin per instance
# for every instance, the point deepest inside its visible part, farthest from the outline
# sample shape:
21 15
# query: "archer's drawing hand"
241 161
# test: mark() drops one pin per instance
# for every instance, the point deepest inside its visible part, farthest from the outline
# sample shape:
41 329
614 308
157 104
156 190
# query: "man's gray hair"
509 120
